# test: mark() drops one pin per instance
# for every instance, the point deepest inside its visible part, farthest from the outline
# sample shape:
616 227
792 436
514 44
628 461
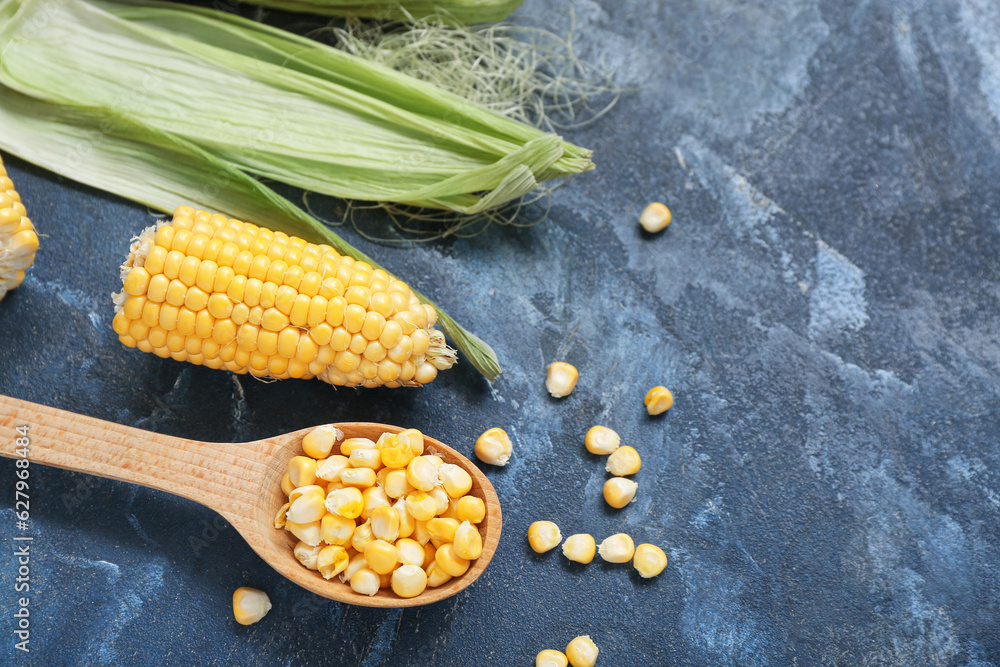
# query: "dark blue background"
825 308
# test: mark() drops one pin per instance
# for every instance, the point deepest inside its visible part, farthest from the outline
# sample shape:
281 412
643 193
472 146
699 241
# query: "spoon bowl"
240 481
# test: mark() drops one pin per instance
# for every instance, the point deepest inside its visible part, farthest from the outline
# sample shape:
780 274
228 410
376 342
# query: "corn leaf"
465 11
122 156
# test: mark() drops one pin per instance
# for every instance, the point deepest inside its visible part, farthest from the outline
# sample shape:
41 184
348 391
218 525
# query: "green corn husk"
158 169
276 105
465 11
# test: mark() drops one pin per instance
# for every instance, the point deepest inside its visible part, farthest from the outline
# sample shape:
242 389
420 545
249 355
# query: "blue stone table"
825 308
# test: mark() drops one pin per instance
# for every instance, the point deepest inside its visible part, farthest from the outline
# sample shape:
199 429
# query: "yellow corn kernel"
551 658
430 551
356 563
395 484
382 556
658 400
330 468
409 581
582 652
422 474
468 543
456 481
601 440
420 533
451 512
619 491
19 242
421 506
494 447
361 478
618 548
362 457
543 536
307 555
442 531
302 471
561 379
436 576
624 461
580 548
250 605
471 509
407 524
331 561
347 502
335 529
410 552
649 560
307 532
279 518
365 582
440 497
362 537
385 523
286 485
655 218
308 505
350 444
451 562
374 497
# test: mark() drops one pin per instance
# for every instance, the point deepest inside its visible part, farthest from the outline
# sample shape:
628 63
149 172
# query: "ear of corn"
18 241
467 11
227 294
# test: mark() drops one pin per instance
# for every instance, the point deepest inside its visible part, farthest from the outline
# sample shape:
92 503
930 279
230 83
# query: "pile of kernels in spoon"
380 514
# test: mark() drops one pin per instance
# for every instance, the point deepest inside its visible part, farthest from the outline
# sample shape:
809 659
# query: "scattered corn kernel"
468 543
471 509
494 447
582 652
618 548
580 548
409 581
250 605
619 491
624 461
319 442
658 400
544 536
655 218
649 560
561 379
601 440
551 658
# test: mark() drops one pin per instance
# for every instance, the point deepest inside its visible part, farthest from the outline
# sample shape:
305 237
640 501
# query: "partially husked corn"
649 560
601 440
18 240
582 652
551 658
494 447
250 605
580 548
543 536
366 522
227 294
624 461
618 548
655 218
658 400
561 379
619 491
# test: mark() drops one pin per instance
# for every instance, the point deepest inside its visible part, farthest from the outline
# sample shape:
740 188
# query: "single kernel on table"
551 658
544 536
580 548
655 218
561 379
624 461
582 652
618 548
619 492
601 440
494 447
649 560
250 605
658 400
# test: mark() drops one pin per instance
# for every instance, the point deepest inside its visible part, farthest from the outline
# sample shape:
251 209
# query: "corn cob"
18 241
227 294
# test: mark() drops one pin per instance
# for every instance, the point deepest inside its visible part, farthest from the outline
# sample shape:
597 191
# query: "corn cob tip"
18 240
227 294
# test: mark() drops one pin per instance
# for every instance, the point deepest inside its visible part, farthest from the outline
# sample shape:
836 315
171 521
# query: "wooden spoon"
242 482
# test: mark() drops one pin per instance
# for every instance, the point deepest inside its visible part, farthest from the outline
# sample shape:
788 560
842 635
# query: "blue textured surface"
825 307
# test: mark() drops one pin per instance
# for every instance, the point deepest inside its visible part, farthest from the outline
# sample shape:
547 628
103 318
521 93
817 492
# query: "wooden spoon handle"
212 474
